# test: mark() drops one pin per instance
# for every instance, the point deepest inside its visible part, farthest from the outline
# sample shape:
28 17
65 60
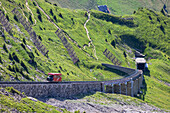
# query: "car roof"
59 74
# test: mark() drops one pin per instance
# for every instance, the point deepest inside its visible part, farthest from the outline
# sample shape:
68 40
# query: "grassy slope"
118 7
10 103
59 60
157 92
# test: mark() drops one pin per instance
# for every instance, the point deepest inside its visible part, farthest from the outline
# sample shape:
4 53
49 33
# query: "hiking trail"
90 43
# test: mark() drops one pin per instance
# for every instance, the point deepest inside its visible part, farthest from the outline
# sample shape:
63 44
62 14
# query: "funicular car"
54 77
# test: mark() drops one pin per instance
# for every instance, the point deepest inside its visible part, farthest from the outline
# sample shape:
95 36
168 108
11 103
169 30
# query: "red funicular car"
54 77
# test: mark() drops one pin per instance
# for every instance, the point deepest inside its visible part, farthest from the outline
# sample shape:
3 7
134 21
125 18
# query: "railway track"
133 76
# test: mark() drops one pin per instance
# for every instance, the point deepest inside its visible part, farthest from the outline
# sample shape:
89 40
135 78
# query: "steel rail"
136 74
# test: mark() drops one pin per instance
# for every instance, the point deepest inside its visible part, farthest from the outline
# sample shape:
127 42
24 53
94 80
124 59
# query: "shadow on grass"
114 19
116 71
133 42
143 91
144 85
147 72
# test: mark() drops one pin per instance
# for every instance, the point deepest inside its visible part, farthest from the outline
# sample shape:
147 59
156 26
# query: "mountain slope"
118 7
146 31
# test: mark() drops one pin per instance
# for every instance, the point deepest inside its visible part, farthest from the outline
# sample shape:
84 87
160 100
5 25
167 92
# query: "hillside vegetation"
14 101
146 31
118 7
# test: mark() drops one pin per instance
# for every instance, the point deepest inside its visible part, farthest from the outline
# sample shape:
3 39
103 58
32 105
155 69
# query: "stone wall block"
123 88
116 88
129 88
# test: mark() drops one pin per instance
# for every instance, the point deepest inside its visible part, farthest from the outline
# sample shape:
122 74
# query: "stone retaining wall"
64 90
130 87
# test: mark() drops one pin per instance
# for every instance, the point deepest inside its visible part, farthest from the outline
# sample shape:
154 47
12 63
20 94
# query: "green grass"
116 7
24 105
160 70
148 30
157 93
108 99
58 56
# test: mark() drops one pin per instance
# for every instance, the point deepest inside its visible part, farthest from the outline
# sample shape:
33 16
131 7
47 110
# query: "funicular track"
128 86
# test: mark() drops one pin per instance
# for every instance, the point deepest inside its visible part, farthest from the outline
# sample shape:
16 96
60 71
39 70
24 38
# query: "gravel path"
94 50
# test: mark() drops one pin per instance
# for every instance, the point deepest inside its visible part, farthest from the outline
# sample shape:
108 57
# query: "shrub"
162 11
5 48
162 29
37 52
26 14
113 44
10 68
158 19
109 32
30 18
31 55
60 15
24 40
134 12
34 4
39 17
55 18
10 56
16 68
15 17
1 60
15 57
55 4
38 11
24 66
23 46
40 37
51 11
150 17
7 17
124 53
13 68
